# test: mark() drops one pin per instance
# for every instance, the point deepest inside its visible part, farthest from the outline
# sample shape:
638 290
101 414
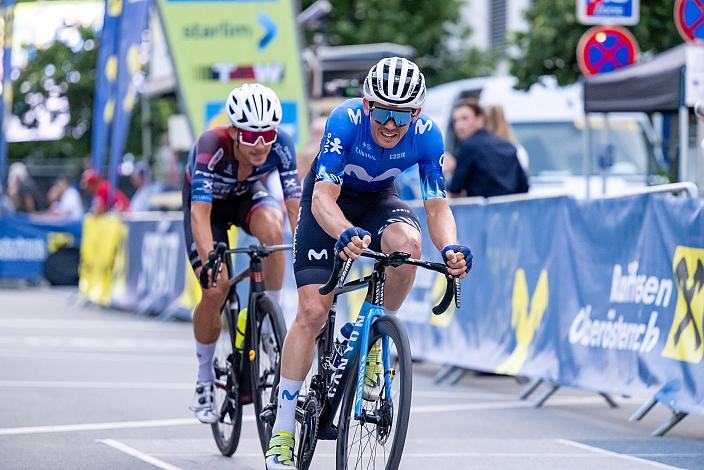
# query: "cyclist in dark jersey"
222 188
350 202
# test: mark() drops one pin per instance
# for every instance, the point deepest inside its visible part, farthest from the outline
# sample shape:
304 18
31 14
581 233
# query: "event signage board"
689 20
608 12
219 45
604 49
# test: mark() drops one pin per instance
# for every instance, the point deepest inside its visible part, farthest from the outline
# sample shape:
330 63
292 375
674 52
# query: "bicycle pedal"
268 414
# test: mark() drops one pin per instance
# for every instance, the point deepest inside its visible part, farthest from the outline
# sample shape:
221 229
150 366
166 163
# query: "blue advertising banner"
105 83
133 22
153 273
25 243
615 305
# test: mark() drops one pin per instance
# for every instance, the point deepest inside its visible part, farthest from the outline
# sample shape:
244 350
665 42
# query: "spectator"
487 165
65 200
23 191
92 183
6 205
145 187
497 124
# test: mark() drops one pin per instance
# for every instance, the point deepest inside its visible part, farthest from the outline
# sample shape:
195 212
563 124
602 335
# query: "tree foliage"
549 46
426 26
58 81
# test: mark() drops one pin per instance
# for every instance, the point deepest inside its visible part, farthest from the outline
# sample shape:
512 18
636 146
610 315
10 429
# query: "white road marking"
95 343
95 356
498 405
630 458
154 423
138 454
128 323
99 385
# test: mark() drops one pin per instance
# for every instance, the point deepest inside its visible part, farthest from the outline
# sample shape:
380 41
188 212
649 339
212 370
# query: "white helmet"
254 107
395 81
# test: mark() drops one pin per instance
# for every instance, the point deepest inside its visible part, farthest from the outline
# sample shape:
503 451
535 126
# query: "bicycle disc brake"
309 431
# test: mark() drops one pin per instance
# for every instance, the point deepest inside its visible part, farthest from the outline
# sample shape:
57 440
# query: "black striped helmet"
395 81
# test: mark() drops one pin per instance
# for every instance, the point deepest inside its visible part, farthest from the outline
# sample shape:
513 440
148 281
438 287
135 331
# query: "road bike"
246 362
370 433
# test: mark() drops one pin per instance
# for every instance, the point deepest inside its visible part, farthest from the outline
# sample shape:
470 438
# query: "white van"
549 122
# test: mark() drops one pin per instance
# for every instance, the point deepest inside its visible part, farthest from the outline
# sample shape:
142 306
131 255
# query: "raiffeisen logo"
526 317
685 341
628 286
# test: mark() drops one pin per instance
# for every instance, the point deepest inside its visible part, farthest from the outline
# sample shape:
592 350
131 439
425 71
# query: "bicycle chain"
309 429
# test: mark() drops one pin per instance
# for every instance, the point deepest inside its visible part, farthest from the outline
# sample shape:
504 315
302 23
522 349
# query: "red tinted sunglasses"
251 138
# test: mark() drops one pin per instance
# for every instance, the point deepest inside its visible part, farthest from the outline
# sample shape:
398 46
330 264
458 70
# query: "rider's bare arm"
326 211
292 206
200 225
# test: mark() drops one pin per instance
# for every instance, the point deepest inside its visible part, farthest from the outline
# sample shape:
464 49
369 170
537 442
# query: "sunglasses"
251 138
401 118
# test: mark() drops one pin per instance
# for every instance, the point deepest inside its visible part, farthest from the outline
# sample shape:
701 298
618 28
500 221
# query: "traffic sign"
608 12
689 19
606 48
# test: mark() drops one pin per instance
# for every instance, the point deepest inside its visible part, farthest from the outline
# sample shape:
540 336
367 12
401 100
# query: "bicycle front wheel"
377 441
270 333
227 429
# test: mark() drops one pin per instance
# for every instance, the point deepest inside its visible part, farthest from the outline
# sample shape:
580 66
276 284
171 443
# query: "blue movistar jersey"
350 157
212 167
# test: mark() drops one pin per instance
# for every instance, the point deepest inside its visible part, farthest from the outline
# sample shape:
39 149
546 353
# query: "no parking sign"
689 19
606 48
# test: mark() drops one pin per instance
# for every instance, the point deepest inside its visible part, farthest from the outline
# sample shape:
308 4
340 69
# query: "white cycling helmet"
254 107
395 81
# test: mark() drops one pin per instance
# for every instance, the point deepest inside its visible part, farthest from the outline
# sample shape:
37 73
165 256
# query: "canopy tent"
671 81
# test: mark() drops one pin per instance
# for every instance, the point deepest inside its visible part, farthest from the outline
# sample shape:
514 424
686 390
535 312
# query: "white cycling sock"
205 353
277 295
286 410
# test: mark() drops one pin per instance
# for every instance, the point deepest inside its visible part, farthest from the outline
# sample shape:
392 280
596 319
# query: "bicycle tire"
393 328
227 438
262 390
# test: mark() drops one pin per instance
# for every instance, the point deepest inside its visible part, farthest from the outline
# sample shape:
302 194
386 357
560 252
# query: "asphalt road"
84 387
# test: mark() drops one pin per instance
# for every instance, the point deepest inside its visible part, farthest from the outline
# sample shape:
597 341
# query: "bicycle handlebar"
217 256
397 258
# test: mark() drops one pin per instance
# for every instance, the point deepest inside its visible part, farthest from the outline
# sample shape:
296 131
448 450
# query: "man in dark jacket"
487 165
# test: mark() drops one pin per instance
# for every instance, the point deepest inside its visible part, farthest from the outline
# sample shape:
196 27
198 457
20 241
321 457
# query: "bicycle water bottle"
240 329
341 345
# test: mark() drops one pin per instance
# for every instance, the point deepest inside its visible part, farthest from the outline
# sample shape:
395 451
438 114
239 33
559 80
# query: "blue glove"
346 237
460 249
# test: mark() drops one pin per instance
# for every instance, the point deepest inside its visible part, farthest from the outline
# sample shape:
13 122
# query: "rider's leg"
266 224
399 236
298 351
206 324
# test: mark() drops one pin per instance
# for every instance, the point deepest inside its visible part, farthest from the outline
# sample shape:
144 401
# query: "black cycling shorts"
225 213
313 248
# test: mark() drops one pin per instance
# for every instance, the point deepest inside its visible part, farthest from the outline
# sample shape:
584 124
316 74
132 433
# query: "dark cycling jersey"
212 167
349 157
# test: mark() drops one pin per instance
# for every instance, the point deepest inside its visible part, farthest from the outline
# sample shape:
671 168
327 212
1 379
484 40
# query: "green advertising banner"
216 45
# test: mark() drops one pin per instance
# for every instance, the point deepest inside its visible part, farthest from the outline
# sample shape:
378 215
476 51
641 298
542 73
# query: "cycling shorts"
313 248
236 211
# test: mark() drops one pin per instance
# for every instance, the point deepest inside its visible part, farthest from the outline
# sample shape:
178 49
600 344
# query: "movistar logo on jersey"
355 116
422 126
317 255
361 174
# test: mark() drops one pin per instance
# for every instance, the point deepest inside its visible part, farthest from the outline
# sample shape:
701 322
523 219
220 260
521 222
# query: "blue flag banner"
135 14
8 8
105 83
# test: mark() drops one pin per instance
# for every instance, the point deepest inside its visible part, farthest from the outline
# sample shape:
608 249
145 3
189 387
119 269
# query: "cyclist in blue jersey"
349 202
222 188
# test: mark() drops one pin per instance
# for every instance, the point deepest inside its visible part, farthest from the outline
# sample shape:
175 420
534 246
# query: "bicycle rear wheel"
377 443
270 333
227 430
